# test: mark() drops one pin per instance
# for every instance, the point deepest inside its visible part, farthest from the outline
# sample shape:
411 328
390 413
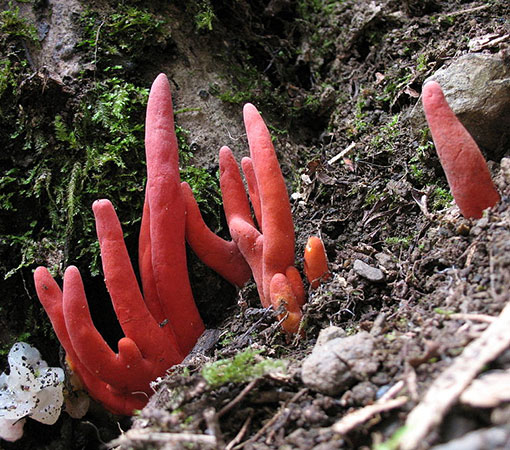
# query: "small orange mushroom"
316 262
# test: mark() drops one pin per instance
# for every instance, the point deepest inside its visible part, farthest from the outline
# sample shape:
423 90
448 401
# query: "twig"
213 426
266 312
270 422
352 420
385 403
492 274
344 152
241 433
475 317
467 11
411 383
239 398
151 436
392 392
446 389
96 42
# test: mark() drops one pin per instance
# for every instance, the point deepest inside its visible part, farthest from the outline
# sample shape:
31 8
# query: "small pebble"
370 273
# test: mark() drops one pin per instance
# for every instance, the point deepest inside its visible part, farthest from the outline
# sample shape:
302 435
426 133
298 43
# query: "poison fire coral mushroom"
161 326
316 262
270 251
464 165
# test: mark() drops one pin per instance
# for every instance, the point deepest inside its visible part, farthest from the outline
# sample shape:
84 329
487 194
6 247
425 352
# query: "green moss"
244 367
385 139
123 33
441 198
13 26
400 241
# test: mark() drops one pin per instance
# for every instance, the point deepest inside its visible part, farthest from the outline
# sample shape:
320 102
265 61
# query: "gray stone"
385 260
484 439
363 393
329 333
339 363
366 271
477 88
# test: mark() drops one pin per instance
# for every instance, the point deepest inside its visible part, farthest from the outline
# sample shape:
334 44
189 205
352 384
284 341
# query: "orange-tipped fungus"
316 262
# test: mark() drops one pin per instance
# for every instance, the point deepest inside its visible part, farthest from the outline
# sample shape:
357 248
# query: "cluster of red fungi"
161 322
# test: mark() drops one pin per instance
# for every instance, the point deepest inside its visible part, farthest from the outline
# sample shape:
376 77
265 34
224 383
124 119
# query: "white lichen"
32 389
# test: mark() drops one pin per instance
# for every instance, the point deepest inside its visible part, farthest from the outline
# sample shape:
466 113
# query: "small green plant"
385 139
421 62
243 367
443 312
202 13
417 172
403 241
373 196
393 442
441 198
227 338
359 124
14 26
204 19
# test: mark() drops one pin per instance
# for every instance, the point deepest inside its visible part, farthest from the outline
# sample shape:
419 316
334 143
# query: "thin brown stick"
273 420
352 420
467 11
213 426
238 399
474 317
150 436
241 433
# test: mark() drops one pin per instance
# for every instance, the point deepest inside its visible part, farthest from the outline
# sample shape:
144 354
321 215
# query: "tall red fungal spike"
270 251
160 327
237 211
464 165
167 220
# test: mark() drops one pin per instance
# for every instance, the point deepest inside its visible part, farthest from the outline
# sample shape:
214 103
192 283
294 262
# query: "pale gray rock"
366 271
496 438
477 88
338 364
328 334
